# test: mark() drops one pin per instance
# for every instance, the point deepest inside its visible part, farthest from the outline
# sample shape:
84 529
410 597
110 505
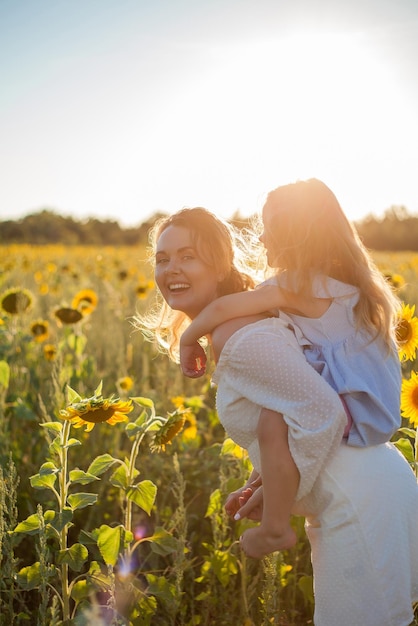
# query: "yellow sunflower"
40 330
50 351
85 301
15 301
169 429
407 333
396 280
125 384
90 411
144 287
409 398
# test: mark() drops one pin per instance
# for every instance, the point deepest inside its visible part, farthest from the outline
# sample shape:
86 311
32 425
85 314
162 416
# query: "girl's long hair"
221 247
311 235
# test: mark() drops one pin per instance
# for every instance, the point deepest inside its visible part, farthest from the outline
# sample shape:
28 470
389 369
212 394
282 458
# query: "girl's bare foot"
257 542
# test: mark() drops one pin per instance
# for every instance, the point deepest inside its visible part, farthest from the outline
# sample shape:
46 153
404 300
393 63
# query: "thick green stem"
64 532
132 461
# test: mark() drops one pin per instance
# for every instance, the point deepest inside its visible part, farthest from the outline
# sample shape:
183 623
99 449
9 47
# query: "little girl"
340 307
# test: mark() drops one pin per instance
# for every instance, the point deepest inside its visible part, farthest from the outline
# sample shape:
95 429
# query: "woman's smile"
185 281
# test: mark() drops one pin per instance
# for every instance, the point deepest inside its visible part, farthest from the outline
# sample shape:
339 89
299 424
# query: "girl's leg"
280 485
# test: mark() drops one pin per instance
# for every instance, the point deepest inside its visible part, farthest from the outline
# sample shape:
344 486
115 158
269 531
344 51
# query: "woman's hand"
192 360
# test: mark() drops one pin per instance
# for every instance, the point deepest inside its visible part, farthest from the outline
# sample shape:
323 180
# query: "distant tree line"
396 230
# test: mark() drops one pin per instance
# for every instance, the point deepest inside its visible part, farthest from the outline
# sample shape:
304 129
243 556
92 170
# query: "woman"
360 505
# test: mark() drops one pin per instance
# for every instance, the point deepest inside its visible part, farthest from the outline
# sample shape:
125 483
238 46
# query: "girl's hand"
251 505
192 360
246 502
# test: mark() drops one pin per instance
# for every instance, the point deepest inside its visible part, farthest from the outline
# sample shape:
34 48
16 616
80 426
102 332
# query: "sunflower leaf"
405 446
81 500
72 396
98 391
75 556
55 426
143 402
143 494
84 478
110 543
100 464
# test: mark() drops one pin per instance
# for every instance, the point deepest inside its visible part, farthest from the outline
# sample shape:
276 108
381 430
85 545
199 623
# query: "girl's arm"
261 300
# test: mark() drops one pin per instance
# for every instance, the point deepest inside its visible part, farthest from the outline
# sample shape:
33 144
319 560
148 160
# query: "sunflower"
407 333
125 384
409 398
144 287
15 301
50 351
169 429
40 330
94 410
68 315
396 280
85 301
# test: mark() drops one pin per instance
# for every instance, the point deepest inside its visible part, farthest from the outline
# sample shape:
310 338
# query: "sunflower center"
403 331
414 397
95 416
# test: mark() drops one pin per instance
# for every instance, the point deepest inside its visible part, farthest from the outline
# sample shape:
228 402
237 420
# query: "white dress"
360 504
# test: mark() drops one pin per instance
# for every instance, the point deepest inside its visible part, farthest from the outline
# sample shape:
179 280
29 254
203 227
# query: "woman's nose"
172 266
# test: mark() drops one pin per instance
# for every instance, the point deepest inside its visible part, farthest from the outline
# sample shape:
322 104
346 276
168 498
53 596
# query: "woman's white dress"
360 504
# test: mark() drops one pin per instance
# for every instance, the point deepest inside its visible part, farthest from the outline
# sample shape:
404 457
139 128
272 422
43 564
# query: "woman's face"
185 281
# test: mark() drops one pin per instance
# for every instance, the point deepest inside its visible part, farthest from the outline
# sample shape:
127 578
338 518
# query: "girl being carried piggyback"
340 307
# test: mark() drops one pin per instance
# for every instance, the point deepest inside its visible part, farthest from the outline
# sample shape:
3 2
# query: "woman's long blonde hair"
219 245
311 235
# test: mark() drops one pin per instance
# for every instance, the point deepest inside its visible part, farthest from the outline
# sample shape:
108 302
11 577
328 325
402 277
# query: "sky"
119 109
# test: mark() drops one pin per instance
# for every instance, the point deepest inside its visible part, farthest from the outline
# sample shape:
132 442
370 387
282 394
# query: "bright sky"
120 108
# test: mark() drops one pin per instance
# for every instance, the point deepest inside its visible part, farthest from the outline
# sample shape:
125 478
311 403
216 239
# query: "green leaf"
143 402
81 500
405 446
73 442
215 503
59 520
30 525
4 374
46 477
55 446
48 468
72 396
54 426
100 464
120 477
411 432
109 542
77 343
98 391
143 495
230 447
84 478
75 556
162 542
30 577
80 590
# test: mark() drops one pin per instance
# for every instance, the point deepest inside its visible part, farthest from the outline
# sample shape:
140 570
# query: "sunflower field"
114 467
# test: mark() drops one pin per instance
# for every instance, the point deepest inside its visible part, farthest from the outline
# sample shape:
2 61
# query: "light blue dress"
357 366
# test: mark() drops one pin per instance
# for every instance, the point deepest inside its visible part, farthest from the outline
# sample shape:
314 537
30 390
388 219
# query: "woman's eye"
160 260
